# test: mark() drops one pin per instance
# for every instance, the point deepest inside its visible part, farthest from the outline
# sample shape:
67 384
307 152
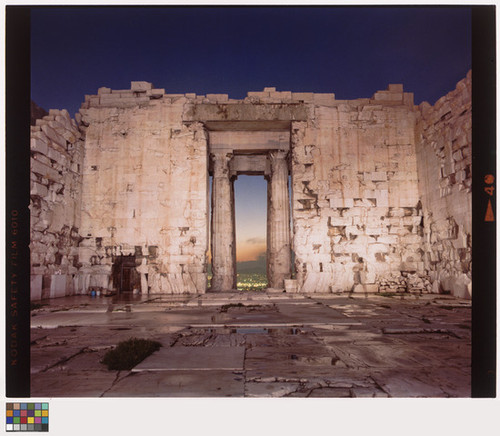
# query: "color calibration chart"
27 417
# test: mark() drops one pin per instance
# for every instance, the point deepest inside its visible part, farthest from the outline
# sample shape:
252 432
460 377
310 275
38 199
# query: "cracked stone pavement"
256 344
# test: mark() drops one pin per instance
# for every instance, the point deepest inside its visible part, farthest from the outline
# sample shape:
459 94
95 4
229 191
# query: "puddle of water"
249 331
256 330
285 331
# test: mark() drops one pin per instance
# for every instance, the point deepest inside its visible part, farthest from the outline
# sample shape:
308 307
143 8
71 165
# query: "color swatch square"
27 417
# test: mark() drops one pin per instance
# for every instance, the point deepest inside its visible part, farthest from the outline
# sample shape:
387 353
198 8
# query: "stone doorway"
225 166
125 276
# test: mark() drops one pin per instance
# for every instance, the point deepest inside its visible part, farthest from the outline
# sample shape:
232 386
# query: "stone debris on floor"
256 344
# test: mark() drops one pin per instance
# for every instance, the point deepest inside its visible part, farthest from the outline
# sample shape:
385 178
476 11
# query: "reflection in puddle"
249 331
256 330
126 297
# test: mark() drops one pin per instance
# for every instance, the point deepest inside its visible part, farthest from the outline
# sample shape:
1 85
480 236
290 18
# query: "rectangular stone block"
42 159
113 97
379 176
53 135
57 156
140 86
306 97
58 286
38 189
388 239
258 94
336 202
45 171
382 197
411 239
94 101
378 248
35 287
324 99
218 98
157 93
388 96
284 95
340 221
395 87
408 99
123 102
375 176
38 145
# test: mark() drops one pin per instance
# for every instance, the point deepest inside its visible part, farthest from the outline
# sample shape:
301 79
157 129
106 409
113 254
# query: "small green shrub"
129 353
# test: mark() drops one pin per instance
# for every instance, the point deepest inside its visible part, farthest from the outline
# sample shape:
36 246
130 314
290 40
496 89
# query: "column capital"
279 161
276 155
220 163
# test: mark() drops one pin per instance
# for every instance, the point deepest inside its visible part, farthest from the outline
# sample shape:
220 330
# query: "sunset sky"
250 194
352 52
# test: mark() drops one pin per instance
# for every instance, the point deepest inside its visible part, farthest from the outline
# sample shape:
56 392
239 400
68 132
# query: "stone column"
223 232
278 222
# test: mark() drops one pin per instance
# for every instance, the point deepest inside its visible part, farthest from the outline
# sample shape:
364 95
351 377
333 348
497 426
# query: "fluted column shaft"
278 216
223 232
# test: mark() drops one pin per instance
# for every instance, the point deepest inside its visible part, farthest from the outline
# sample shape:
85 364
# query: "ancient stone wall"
444 147
57 151
380 189
145 193
356 213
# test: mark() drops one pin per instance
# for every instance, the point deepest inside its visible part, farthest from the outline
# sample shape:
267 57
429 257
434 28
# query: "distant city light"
249 282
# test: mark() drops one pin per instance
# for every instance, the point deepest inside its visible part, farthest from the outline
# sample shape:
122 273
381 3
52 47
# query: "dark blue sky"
352 52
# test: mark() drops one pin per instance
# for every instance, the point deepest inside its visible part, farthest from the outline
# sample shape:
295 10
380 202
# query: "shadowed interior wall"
444 154
57 150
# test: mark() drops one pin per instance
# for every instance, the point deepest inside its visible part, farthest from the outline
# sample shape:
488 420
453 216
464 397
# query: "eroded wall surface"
145 191
444 137
57 151
356 213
